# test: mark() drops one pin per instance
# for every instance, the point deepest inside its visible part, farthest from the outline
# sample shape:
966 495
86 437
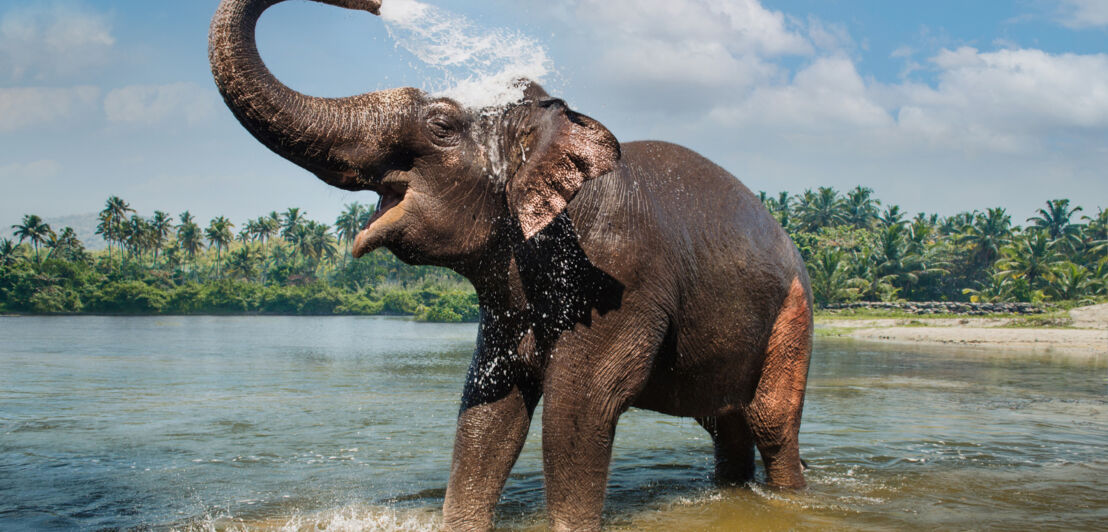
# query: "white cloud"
30 107
828 36
1008 99
743 26
1004 101
147 105
828 95
712 45
1079 14
48 41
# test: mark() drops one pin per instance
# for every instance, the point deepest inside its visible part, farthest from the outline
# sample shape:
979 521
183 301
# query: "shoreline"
1083 331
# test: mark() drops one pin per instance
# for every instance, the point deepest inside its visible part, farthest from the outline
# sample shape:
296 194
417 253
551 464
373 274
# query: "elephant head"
453 181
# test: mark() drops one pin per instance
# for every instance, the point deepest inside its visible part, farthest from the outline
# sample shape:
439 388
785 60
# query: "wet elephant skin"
609 274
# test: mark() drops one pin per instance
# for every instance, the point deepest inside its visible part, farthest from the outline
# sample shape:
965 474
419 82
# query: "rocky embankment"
942 307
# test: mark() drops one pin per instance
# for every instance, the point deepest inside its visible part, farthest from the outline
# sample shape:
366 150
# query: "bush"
399 301
438 313
229 297
359 305
129 297
320 300
185 299
56 300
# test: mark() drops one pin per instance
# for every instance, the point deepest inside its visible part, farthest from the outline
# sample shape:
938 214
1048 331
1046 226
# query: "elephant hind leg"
774 413
734 445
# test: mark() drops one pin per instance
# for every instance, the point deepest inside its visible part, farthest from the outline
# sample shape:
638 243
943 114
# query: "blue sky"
939 106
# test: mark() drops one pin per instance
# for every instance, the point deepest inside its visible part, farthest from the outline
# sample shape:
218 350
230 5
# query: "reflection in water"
347 423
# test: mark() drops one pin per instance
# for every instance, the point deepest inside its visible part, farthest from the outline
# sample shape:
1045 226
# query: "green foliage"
398 301
128 297
853 250
853 253
451 306
55 300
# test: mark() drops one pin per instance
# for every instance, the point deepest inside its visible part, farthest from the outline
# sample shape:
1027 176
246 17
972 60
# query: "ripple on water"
352 518
123 426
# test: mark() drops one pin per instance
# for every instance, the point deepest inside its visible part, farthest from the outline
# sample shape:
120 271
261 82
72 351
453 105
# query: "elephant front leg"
577 450
489 438
592 379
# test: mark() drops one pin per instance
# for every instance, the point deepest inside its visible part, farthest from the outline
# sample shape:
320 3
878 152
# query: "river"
347 423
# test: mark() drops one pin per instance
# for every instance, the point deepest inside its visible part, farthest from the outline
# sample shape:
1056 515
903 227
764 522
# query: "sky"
939 106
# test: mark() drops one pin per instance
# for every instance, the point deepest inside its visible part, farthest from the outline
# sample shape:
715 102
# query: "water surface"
347 423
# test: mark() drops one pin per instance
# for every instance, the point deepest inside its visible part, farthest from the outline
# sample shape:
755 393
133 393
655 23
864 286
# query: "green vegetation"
286 263
280 263
857 252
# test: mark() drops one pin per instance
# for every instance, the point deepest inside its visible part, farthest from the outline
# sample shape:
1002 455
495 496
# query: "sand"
1085 333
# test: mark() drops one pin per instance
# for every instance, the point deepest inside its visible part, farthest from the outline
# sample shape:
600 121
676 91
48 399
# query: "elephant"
609 274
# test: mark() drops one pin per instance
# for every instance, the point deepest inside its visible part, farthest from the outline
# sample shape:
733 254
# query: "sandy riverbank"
1085 331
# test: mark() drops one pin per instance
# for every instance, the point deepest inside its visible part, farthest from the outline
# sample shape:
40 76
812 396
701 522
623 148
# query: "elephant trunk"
345 141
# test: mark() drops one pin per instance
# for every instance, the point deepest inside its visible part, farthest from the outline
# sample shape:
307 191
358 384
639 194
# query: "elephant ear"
561 151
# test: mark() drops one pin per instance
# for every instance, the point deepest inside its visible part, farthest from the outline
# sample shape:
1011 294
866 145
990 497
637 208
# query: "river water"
347 423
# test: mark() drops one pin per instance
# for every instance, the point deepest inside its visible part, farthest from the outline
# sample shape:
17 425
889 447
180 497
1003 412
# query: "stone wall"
942 307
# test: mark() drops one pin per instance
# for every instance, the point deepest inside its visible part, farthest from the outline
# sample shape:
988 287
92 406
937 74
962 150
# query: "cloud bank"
48 41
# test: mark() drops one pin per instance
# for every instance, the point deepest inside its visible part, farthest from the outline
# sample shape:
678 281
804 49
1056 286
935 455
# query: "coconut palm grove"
284 262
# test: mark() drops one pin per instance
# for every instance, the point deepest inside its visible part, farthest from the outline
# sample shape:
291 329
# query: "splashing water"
481 67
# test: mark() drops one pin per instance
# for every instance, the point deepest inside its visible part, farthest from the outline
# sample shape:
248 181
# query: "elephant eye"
441 127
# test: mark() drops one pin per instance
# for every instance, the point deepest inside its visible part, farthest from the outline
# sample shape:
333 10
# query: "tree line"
278 263
856 250
286 263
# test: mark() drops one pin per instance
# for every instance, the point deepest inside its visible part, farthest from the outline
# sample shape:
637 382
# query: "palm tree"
268 227
893 257
1070 282
8 252
242 262
185 218
247 233
921 232
830 277
107 229
957 223
998 288
112 219
1055 219
160 226
348 224
891 216
1030 257
820 209
781 208
859 207
367 213
219 235
315 241
137 234
66 246
33 229
290 222
986 235
1095 237
871 283
188 235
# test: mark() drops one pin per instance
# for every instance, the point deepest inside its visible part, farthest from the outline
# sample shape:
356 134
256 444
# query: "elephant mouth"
391 195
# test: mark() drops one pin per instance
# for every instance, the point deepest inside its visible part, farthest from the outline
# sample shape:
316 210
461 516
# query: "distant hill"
85 227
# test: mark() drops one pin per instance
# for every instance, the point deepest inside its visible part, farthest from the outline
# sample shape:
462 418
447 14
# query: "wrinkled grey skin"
609 275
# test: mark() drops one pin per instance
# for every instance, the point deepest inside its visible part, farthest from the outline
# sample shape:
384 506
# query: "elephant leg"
592 378
774 413
734 445
488 441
